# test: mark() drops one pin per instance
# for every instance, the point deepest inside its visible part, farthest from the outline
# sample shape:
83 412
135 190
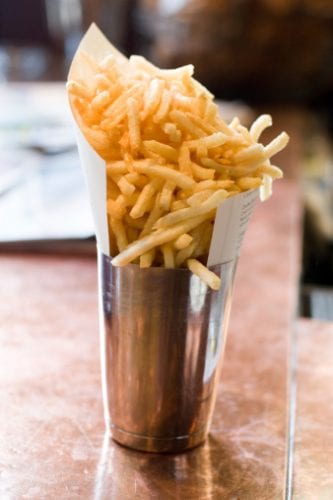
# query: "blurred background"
255 55
228 41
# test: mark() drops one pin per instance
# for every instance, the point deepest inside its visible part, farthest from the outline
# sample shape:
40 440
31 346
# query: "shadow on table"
207 472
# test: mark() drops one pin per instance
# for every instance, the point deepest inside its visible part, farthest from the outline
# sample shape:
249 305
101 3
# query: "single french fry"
116 168
259 125
97 138
199 197
164 107
265 190
120 233
188 213
202 173
172 131
147 258
207 276
277 144
183 241
133 124
154 215
125 187
165 151
168 256
144 198
166 195
272 170
101 100
152 97
246 183
78 89
253 152
184 161
166 173
210 141
115 209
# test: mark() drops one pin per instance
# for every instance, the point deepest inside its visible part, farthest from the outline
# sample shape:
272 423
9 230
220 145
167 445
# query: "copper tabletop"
51 421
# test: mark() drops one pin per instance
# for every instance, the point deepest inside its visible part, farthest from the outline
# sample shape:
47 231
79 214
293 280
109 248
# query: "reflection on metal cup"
162 340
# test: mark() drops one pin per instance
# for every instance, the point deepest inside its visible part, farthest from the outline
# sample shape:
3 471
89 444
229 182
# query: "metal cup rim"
161 270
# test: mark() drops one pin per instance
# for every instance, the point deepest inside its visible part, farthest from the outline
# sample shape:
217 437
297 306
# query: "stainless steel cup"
162 339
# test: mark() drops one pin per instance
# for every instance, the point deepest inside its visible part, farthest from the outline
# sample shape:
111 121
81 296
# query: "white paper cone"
94 170
231 221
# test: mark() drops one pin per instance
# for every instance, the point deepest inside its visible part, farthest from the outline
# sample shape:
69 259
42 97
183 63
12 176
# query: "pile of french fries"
171 159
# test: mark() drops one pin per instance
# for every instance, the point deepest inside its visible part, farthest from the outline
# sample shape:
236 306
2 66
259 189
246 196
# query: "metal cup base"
162 340
158 445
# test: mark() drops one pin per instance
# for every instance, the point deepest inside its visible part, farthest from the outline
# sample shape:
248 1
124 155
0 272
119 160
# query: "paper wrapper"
232 216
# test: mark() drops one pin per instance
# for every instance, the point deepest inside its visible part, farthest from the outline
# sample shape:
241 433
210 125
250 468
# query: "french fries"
204 274
171 160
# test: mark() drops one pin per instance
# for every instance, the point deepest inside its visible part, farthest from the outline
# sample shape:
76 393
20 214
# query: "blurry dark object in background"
23 37
317 187
37 39
317 184
23 23
114 18
272 50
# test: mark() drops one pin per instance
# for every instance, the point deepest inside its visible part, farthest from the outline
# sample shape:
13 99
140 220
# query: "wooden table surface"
271 433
